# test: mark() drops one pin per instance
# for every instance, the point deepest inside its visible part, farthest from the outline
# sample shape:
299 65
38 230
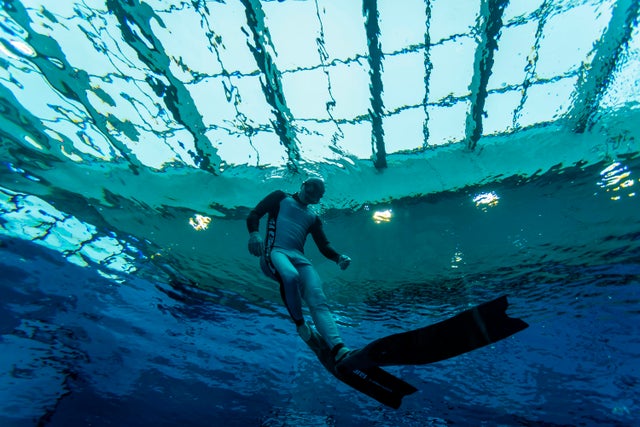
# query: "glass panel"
402 24
447 124
452 18
512 56
306 93
350 88
547 102
568 40
403 80
357 139
403 131
343 24
452 68
499 109
294 30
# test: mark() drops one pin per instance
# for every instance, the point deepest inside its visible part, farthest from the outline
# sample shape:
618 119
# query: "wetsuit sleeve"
317 232
269 204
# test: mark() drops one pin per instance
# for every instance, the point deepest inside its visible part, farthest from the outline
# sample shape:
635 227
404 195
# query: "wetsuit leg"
313 295
289 285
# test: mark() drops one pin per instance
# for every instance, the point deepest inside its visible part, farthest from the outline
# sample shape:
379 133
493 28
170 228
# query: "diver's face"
311 192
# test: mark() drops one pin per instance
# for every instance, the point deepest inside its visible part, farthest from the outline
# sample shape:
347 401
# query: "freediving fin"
469 330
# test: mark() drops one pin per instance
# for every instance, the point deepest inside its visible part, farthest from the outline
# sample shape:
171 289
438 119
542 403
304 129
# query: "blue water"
217 348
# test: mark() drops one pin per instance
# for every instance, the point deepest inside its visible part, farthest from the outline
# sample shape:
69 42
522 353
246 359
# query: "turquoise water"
129 163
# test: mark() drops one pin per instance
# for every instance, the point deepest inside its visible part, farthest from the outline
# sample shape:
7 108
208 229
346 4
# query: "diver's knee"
316 300
289 277
318 306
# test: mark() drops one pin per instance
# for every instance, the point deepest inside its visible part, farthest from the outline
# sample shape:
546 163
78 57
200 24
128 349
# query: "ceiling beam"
608 52
376 113
542 15
261 49
428 67
488 27
175 94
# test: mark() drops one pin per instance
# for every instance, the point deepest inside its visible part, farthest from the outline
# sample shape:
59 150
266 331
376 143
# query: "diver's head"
311 191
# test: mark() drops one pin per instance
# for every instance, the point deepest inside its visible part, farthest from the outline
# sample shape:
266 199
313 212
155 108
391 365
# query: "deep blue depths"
82 350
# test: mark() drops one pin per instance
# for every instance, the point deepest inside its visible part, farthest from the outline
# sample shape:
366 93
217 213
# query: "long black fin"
469 330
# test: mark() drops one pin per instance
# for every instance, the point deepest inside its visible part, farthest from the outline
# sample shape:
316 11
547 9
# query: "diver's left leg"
289 279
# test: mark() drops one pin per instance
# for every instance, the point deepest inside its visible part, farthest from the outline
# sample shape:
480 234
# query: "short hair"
315 182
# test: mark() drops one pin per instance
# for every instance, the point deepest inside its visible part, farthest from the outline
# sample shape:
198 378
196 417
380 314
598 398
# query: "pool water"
85 347
136 136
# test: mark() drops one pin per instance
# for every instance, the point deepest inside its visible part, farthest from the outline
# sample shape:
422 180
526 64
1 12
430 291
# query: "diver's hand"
255 244
343 262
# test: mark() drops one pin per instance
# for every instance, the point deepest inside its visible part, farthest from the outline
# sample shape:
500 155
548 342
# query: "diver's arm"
322 242
271 204
268 204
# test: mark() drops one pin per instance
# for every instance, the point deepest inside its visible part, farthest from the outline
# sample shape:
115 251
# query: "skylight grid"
267 83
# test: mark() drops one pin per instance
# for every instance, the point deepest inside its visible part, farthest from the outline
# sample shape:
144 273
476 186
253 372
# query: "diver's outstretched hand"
343 262
255 244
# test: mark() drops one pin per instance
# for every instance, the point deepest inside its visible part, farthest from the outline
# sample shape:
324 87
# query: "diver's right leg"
289 279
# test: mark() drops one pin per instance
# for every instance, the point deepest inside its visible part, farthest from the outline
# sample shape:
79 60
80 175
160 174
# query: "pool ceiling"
211 85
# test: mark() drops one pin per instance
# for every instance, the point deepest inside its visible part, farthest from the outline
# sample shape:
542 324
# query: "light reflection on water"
617 180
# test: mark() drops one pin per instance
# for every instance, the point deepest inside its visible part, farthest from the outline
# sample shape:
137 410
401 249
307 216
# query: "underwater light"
382 216
457 259
485 200
199 222
616 177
